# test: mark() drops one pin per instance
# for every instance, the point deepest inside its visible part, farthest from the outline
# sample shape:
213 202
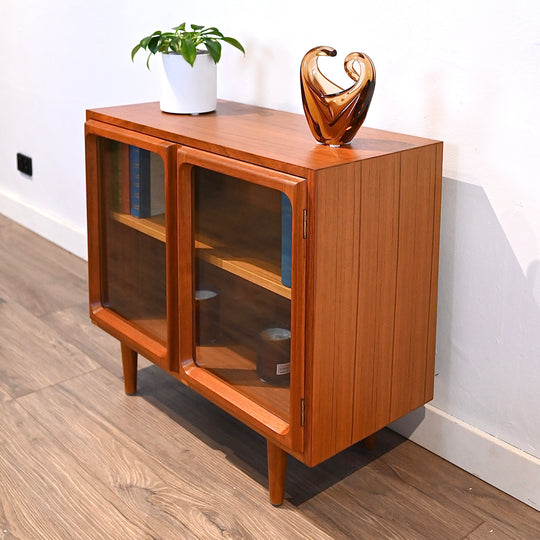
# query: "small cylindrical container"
206 316
274 355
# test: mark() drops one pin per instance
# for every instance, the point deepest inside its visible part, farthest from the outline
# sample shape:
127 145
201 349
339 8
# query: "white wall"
465 72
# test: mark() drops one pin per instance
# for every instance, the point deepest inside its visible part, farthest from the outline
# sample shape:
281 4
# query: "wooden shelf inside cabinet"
232 364
253 270
258 272
153 226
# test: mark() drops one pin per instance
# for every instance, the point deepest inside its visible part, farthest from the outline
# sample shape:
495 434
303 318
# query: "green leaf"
214 48
135 51
212 30
175 45
180 27
234 43
189 51
154 43
164 45
144 41
196 27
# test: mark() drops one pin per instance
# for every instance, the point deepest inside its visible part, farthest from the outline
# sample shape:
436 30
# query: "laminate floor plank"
411 513
46 494
414 464
74 324
488 530
39 293
37 253
193 489
39 275
34 355
4 395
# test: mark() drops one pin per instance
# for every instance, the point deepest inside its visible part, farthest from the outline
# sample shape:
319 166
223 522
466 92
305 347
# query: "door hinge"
304 228
302 412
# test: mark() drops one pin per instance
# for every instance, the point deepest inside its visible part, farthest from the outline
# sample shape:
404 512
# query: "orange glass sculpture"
334 115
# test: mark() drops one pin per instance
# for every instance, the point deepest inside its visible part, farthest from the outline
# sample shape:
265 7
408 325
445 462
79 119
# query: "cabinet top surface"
267 137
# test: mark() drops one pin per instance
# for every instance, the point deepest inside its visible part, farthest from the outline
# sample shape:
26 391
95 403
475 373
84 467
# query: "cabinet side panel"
336 215
412 354
376 294
430 365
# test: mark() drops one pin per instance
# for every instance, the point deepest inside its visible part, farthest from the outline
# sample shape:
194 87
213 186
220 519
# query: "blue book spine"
286 240
139 182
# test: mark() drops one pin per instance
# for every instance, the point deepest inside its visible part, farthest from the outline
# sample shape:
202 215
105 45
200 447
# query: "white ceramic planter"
186 89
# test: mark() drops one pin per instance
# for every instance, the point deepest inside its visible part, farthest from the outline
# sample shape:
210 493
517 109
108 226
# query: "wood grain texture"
28 343
474 496
277 469
18 271
487 530
76 328
170 497
129 368
371 326
331 333
45 493
414 315
80 459
274 139
376 294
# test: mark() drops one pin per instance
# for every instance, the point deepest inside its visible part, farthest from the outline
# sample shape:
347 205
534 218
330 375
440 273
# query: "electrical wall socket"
24 164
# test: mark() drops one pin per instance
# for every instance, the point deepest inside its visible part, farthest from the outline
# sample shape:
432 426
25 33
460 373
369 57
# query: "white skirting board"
500 464
50 227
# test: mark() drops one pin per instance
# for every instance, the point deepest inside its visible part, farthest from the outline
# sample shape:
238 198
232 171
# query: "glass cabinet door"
134 285
242 284
131 226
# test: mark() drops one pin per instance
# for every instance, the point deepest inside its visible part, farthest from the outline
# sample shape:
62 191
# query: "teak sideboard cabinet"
292 284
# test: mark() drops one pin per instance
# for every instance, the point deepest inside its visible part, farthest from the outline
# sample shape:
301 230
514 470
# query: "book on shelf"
139 182
147 183
286 240
124 179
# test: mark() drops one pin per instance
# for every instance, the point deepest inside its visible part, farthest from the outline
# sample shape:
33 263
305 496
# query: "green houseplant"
185 42
187 71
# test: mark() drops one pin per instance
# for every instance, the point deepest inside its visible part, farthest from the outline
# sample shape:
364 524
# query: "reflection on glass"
334 115
240 236
133 181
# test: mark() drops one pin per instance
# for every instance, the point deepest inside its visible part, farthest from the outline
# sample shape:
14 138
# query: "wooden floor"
80 459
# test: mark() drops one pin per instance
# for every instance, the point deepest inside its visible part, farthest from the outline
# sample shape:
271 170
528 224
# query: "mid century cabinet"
292 284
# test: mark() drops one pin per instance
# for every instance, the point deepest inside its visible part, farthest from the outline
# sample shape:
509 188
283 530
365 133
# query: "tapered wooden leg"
370 442
129 363
277 470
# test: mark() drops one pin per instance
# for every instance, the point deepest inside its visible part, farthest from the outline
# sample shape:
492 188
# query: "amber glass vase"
334 115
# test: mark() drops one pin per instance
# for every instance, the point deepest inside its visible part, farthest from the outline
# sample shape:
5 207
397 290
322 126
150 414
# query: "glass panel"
133 181
242 286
